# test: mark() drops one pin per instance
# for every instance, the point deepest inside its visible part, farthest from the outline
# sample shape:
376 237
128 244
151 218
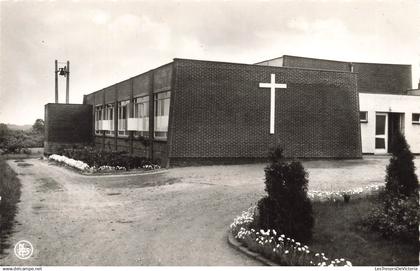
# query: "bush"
13 141
400 173
397 218
287 208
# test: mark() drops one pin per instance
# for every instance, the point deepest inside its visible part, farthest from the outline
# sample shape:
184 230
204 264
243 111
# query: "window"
122 117
141 112
415 118
363 116
98 119
108 125
162 102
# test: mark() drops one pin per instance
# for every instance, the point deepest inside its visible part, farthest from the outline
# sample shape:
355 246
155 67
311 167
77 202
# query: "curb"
255 255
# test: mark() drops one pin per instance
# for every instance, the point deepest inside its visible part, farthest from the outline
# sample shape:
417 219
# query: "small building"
194 111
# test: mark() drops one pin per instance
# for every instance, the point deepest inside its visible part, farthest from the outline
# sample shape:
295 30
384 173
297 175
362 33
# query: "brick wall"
219 111
67 125
371 77
383 78
314 63
148 83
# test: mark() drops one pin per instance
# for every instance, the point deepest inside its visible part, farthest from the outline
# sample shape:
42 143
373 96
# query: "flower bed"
106 159
285 250
82 166
345 195
77 164
278 247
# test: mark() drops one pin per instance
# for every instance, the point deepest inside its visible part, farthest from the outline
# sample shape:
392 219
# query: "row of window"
415 117
138 122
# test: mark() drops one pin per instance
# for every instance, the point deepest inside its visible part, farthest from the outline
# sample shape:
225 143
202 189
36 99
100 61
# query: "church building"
194 111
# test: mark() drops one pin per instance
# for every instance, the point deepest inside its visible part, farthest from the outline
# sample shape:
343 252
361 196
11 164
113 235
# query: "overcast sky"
107 42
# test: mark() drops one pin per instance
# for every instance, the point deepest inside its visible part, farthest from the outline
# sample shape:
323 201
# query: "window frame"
123 108
159 110
418 118
364 120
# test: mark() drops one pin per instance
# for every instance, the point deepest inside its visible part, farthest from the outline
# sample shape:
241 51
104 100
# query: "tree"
401 178
38 126
286 208
4 133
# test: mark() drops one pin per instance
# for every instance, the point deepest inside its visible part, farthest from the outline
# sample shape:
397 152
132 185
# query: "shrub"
397 218
287 208
400 173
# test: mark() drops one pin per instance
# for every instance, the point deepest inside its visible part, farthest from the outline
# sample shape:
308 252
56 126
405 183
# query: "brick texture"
371 77
383 78
67 125
156 80
219 111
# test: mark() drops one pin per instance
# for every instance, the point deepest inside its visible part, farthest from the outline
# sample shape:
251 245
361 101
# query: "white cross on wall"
272 85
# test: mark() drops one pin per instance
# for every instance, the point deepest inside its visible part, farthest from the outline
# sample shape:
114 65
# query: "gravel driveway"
175 217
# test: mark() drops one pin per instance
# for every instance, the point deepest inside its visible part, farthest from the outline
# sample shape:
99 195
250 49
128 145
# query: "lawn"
10 195
339 233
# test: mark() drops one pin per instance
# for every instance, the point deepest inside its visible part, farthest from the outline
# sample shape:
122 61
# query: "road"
175 217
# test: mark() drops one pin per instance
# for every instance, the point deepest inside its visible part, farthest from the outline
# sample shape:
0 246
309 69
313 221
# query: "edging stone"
255 255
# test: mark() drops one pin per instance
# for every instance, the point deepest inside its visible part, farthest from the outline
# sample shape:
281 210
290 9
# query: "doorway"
386 126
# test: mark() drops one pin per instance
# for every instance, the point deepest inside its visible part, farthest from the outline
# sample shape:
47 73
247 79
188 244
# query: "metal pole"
67 81
56 81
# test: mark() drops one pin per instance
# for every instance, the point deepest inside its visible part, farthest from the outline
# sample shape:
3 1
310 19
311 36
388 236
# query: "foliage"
277 247
345 195
14 141
398 217
38 126
98 158
401 178
10 187
287 208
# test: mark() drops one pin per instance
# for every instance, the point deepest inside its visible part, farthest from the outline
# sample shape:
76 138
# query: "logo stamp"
23 249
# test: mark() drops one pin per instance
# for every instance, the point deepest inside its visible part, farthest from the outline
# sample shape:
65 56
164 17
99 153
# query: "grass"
338 233
10 194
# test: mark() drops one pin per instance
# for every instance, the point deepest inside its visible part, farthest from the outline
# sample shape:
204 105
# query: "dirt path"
76 220
178 217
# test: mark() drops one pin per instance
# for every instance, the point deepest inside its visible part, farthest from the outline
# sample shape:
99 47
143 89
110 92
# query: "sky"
110 41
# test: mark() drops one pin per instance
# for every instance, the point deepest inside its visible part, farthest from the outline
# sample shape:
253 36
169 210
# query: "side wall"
406 104
219 111
372 77
153 81
383 78
66 126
